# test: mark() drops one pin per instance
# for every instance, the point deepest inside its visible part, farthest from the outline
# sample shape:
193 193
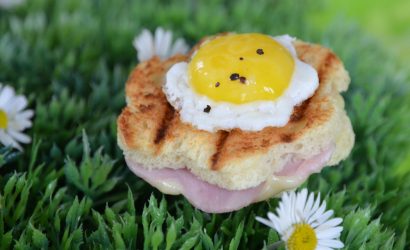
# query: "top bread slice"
151 133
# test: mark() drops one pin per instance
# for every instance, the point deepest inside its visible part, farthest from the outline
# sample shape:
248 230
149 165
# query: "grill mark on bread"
323 70
126 128
145 108
163 127
223 136
265 143
287 138
299 111
122 124
152 96
325 65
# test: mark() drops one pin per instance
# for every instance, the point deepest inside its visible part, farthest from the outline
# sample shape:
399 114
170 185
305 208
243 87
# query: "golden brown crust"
150 126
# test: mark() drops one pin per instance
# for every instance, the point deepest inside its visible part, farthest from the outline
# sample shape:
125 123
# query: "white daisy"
9 4
160 44
304 223
13 118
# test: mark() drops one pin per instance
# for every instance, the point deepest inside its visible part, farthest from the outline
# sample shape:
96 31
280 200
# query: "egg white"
253 116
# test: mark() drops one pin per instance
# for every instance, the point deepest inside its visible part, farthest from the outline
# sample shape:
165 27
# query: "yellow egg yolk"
241 68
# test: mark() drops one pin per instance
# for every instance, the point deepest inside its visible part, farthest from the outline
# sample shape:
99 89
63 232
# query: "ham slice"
213 199
304 168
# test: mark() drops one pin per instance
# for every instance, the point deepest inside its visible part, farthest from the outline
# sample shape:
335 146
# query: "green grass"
71 189
386 20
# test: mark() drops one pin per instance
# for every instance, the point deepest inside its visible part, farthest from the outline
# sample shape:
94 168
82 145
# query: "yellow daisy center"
303 237
3 119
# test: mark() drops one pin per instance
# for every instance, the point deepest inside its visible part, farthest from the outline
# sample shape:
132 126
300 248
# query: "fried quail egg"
246 81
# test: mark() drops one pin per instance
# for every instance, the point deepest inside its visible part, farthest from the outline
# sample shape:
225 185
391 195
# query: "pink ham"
213 199
207 197
304 168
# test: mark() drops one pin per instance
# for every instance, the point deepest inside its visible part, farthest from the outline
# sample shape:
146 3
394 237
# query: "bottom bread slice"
214 199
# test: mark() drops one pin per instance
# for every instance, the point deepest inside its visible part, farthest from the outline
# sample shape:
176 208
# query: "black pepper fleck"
234 76
217 84
241 58
242 79
207 109
259 51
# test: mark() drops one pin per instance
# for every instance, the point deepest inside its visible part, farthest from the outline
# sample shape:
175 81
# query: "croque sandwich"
237 120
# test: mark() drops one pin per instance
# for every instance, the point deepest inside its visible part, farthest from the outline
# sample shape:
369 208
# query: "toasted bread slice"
150 131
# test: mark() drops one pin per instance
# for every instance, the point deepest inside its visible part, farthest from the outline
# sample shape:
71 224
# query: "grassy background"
388 21
71 189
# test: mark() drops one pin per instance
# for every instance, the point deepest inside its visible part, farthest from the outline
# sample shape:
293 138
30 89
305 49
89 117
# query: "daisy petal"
163 40
144 44
276 223
20 137
26 114
271 216
158 44
18 104
323 248
20 125
6 94
332 243
314 207
7 140
300 203
264 221
329 233
330 223
180 47
319 212
325 216
308 206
